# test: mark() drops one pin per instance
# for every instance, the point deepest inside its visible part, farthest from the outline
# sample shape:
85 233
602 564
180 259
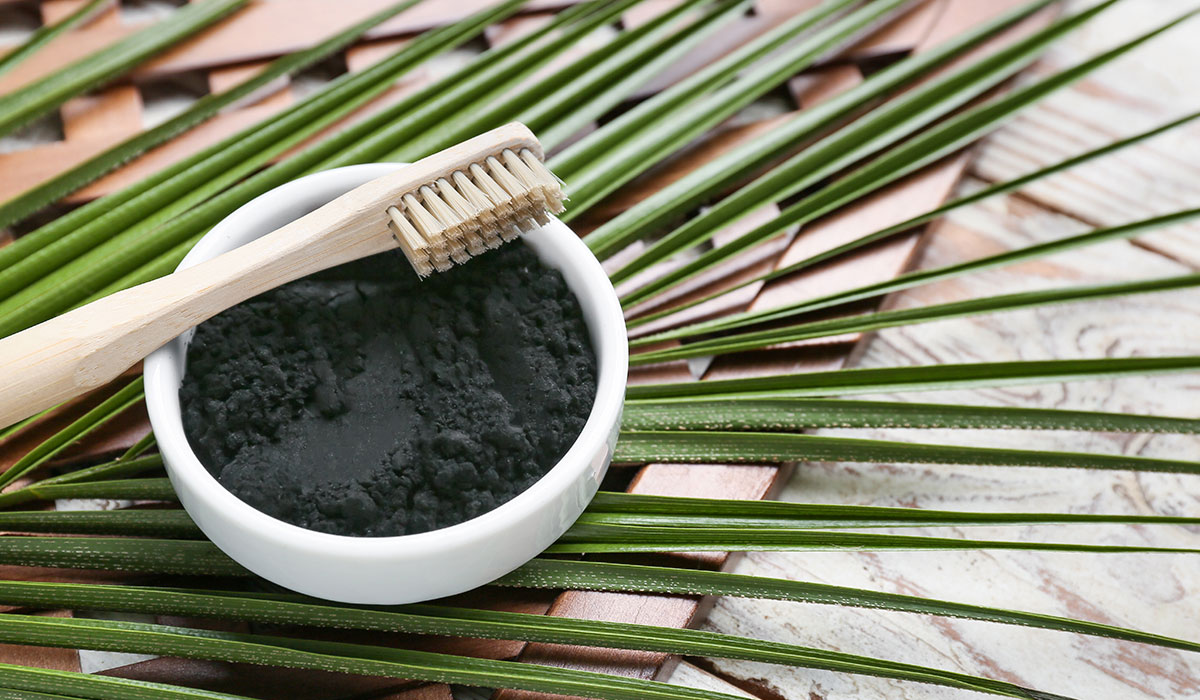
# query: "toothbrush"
440 211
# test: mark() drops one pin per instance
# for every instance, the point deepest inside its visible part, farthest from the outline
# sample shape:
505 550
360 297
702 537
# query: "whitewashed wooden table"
1155 593
1159 593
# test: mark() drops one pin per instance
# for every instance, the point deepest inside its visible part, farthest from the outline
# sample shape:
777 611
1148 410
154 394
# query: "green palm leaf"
737 412
676 511
707 447
47 33
602 576
605 173
607 538
118 489
23 679
935 378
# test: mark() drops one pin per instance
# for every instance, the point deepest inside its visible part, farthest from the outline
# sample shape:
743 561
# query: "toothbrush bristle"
475 209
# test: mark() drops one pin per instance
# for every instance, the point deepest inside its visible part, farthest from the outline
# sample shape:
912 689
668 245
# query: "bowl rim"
580 268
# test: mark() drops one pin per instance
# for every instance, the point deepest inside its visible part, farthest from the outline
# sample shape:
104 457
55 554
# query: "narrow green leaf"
139 555
22 424
600 576
97 687
607 538
938 377
117 489
206 107
11 694
146 442
676 511
690 447
49 32
772 525
906 317
793 414
121 467
720 174
107 410
133 523
42 96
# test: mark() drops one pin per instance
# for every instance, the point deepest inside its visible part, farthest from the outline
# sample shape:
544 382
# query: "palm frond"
707 447
116 489
922 378
35 682
739 412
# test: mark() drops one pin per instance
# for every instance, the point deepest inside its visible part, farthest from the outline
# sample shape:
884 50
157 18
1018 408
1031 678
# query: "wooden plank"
276 93
108 114
901 36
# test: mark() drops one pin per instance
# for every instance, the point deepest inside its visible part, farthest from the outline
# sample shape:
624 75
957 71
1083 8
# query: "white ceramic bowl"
391 570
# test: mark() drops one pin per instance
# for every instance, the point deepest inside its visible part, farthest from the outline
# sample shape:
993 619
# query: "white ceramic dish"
392 570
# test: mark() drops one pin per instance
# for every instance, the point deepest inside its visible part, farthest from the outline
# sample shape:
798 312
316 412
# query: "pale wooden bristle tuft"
474 209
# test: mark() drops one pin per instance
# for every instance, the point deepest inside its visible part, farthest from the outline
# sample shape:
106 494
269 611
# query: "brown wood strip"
109 114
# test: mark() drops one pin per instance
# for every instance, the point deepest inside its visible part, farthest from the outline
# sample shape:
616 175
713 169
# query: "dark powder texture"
360 401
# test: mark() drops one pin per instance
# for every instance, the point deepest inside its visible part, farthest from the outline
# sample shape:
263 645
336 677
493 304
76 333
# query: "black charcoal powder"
361 401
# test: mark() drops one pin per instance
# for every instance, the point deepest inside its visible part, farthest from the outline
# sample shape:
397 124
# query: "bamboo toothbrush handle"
92 345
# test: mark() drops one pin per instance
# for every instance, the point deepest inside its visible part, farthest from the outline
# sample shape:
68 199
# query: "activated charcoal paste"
361 401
